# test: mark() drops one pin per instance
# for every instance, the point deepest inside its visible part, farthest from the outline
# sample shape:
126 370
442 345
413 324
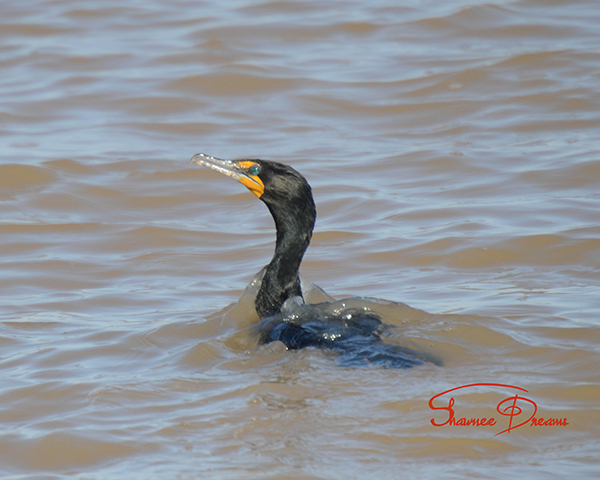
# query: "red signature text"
510 408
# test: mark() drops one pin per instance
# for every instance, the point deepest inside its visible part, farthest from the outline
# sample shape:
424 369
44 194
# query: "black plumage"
354 334
289 198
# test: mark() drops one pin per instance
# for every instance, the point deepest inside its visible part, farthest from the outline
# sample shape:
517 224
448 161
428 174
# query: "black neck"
294 222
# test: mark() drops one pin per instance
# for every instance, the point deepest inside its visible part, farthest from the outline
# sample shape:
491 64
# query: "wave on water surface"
354 327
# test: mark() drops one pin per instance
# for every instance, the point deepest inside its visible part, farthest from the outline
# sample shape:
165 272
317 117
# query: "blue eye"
254 170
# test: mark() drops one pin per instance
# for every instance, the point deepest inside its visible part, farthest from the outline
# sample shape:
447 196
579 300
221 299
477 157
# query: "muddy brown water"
453 149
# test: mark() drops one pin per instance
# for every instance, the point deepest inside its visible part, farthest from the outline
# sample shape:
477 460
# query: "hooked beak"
236 169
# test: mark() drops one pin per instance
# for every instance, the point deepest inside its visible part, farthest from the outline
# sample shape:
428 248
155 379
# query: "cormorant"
354 333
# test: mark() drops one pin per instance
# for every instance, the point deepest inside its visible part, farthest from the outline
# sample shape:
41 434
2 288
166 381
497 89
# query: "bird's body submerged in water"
355 334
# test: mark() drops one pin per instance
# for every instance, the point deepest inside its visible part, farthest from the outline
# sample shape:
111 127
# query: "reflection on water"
452 149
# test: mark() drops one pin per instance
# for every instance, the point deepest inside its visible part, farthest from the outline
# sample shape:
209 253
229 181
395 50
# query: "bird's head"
272 182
